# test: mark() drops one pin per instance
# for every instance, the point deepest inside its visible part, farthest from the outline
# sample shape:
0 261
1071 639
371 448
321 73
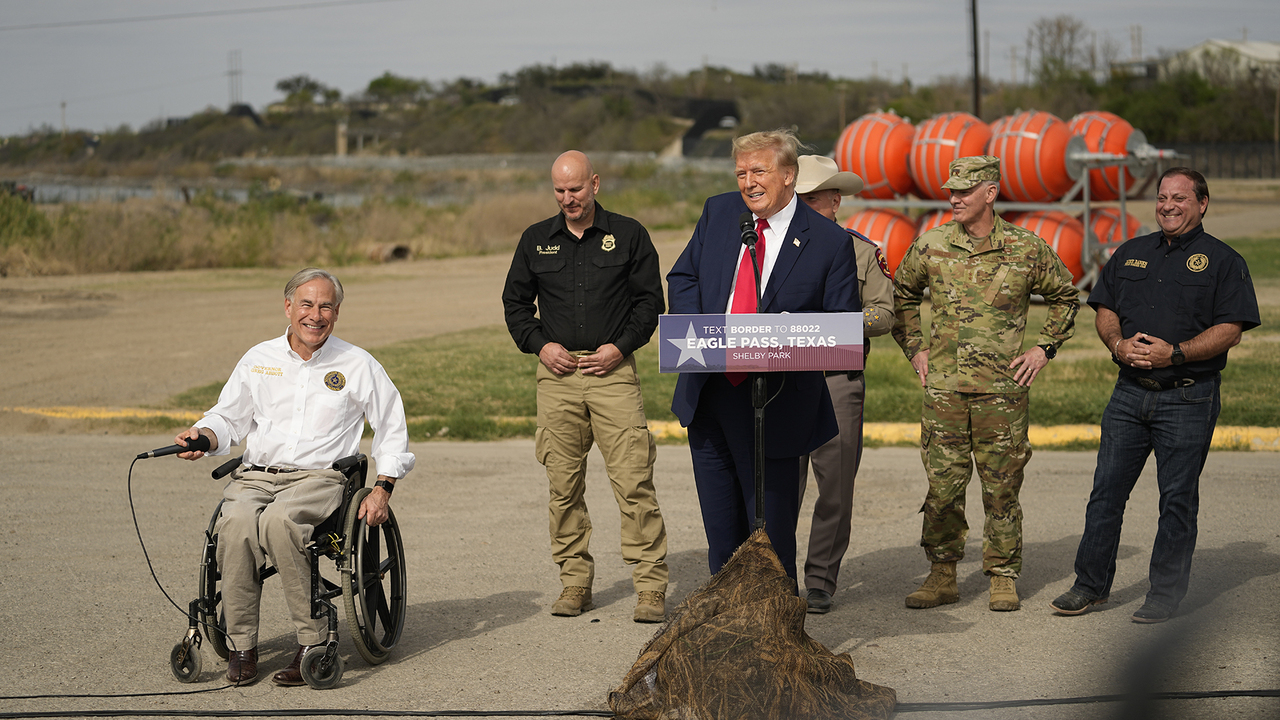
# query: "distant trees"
302 90
394 88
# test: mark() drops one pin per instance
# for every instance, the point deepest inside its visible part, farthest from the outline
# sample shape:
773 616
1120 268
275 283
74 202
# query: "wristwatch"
1177 358
389 487
1050 351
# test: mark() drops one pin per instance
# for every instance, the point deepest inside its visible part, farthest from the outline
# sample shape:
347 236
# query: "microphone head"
746 224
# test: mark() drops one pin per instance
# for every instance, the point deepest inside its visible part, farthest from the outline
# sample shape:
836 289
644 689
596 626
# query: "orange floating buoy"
939 140
1032 147
1109 133
891 230
931 220
876 147
1106 227
1062 232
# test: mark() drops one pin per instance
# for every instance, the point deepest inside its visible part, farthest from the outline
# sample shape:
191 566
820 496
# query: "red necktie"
744 289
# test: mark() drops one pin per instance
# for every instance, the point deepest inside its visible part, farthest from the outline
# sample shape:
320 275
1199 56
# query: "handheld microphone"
748 228
201 443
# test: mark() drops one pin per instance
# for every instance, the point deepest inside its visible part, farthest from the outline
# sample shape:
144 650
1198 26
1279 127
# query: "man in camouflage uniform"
981 273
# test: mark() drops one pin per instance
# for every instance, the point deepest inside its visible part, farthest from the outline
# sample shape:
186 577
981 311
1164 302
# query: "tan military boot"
1004 595
651 607
573 601
938 589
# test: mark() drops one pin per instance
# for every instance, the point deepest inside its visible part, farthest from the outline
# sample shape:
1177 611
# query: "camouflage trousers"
992 428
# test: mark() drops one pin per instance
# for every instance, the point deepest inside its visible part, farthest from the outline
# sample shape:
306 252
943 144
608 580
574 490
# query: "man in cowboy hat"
820 184
981 272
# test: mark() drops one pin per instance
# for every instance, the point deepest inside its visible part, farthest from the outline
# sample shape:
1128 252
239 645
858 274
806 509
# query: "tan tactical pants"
272 516
574 411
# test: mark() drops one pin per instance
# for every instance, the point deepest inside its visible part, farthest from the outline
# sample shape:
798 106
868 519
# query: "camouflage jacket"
980 297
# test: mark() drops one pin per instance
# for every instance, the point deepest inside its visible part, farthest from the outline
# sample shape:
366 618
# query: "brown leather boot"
938 589
242 666
292 675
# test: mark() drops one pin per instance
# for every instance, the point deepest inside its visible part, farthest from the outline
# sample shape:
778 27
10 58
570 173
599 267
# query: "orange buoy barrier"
939 140
1106 227
1109 133
891 230
931 220
1032 147
1062 232
875 147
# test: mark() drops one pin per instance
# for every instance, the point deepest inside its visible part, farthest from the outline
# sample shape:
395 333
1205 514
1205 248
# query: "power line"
190 15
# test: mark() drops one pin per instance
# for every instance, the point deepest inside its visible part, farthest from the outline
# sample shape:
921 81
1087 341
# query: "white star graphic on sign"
687 351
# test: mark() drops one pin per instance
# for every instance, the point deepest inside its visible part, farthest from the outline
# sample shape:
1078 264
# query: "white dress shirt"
774 235
307 414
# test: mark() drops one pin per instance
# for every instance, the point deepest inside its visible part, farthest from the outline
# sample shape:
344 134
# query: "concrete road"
80 614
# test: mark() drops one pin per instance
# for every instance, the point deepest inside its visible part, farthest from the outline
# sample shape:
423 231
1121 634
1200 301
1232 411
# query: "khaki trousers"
574 411
835 465
272 516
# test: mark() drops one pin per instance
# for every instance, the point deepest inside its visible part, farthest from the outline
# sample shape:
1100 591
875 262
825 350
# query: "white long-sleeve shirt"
306 414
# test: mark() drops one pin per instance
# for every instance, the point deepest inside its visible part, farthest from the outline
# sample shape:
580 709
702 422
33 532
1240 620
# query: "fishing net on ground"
736 648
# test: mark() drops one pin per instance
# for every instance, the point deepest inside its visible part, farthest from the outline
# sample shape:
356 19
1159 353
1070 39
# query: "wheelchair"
370 577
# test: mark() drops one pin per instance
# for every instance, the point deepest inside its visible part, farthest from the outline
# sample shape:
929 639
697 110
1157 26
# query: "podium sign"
760 343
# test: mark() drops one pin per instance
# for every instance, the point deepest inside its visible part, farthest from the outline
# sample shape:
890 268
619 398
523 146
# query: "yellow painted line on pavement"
103 413
1225 437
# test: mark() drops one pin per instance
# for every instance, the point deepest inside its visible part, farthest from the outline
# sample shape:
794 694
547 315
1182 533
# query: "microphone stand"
759 397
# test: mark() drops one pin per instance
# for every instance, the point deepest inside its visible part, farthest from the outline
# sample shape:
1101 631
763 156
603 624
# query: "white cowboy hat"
818 172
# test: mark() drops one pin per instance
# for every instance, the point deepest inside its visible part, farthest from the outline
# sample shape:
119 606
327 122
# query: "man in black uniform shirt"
1169 306
594 276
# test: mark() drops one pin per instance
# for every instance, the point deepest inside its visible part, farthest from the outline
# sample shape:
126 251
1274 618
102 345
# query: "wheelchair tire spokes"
375 592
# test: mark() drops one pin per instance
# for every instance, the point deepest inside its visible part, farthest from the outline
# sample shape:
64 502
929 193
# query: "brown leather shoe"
292 675
242 666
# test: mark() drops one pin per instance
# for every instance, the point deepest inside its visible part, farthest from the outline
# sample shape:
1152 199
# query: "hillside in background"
596 107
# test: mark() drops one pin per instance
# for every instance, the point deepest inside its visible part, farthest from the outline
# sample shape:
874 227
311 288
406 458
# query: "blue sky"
113 66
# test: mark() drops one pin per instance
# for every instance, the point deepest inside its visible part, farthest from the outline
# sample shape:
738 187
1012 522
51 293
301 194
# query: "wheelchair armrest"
225 468
345 464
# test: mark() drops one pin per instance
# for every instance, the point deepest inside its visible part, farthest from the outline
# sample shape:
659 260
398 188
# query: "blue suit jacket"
817 275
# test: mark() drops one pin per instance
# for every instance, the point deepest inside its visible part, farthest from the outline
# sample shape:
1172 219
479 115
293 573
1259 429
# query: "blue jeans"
1178 425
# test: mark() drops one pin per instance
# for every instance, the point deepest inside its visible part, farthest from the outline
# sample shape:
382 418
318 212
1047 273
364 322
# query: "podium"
759 343
768 342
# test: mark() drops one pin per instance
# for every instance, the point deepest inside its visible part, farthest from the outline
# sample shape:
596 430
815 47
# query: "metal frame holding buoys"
1041 136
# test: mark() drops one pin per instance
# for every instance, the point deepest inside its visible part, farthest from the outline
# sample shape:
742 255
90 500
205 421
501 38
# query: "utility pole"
64 118
233 77
977 77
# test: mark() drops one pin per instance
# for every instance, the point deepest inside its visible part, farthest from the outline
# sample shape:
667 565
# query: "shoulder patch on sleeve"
884 265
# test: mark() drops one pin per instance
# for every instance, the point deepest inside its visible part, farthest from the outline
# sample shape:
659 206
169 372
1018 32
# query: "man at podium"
806 265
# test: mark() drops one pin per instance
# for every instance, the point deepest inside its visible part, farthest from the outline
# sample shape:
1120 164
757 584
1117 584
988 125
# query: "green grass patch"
1261 254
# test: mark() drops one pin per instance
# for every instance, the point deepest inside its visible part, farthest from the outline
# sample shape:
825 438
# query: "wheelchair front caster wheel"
318 673
184 661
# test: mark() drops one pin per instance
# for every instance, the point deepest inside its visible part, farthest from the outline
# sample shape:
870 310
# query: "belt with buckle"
273 469
1153 384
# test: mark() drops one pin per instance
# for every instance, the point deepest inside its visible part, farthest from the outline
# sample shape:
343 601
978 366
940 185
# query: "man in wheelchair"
297 403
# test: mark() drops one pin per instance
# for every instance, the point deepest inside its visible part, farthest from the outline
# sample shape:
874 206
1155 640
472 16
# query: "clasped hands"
562 362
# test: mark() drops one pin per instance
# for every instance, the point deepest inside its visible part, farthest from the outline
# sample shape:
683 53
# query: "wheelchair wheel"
316 672
185 662
374 591
213 623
